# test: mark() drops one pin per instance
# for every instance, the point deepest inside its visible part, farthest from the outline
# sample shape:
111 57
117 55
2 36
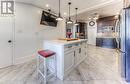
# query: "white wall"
92 34
29 34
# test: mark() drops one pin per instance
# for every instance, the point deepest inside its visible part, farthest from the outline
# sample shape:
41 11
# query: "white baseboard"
24 59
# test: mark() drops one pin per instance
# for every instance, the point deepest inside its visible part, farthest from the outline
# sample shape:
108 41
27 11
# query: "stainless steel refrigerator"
124 43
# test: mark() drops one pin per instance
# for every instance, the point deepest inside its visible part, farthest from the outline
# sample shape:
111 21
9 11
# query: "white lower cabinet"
73 55
77 55
84 52
68 60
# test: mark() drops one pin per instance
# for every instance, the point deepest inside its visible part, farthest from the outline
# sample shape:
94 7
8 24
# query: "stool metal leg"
55 62
37 66
45 71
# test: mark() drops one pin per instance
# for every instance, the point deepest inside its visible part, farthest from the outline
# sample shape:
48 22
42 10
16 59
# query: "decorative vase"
69 34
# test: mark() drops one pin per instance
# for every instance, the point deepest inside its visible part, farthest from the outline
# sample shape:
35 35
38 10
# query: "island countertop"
63 42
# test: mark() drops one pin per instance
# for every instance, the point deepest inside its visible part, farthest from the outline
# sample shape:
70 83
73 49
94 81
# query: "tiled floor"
100 67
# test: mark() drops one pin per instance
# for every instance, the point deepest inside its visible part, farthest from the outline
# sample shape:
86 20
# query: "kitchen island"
68 54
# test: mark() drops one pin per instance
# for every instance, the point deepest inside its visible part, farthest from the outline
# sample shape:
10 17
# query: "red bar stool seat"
44 55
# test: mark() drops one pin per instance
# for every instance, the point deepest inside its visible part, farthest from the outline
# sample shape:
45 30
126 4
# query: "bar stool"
45 55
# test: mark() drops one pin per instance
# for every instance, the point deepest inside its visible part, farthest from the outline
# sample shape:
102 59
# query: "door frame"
13 42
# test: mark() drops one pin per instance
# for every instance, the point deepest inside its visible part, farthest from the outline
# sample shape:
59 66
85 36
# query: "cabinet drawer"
68 47
71 46
84 44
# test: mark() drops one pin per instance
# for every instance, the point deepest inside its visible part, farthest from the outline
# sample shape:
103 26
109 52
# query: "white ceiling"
108 10
83 5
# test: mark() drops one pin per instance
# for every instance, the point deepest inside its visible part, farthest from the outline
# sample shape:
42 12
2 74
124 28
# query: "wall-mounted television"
48 19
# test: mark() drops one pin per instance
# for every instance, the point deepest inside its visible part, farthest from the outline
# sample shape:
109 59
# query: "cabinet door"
77 55
83 52
99 42
68 60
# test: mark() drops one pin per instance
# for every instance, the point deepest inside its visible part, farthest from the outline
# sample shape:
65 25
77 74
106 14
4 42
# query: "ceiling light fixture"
117 13
96 16
65 13
47 5
69 21
59 18
76 22
89 18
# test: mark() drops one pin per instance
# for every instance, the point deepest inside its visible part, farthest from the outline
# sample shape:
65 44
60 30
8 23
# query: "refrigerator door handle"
119 50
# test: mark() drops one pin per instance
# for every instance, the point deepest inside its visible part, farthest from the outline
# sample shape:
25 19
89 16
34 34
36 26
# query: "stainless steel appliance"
124 42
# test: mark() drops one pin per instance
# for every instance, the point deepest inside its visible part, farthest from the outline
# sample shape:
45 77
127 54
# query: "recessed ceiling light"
47 5
95 18
117 13
116 16
65 13
89 18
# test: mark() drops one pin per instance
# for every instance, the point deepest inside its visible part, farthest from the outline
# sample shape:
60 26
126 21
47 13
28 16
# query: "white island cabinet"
68 54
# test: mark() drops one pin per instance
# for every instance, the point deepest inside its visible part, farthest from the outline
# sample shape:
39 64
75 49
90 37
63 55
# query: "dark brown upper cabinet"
106 22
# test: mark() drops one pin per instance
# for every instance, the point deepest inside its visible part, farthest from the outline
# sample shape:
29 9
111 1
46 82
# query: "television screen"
48 19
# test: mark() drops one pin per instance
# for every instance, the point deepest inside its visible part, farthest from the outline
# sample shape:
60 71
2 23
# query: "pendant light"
59 18
76 22
69 21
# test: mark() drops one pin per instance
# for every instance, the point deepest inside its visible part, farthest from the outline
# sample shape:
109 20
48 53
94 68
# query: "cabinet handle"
69 46
9 41
74 53
79 50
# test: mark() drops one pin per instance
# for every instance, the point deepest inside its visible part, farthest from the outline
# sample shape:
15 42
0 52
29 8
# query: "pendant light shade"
69 21
76 22
59 18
